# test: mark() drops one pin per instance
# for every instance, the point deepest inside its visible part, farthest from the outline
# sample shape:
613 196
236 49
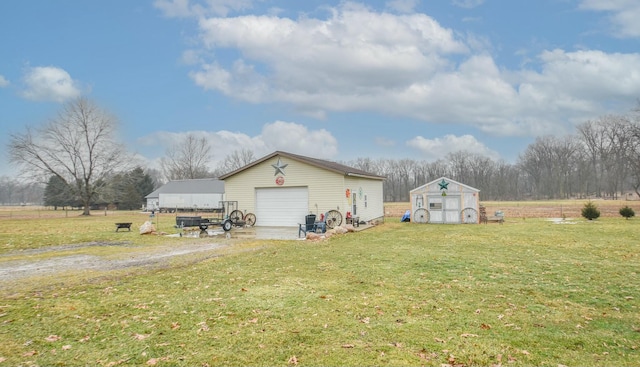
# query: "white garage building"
282 188
445 201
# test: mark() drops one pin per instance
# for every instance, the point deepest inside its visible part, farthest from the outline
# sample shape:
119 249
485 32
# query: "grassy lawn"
529 292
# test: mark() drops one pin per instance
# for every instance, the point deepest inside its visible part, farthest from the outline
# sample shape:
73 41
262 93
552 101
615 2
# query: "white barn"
445 201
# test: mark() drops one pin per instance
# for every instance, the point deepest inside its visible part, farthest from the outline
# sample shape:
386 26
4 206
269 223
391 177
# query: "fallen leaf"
478 311
152 362
293 360
66 347
439 340
253 321
175 325
85 339
469 335
141 336
30 353
526 353
2 359
52 338
485 326
365 320
348 346
244 289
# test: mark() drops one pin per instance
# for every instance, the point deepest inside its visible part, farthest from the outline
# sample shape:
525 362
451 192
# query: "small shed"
445 201
184 195
282 188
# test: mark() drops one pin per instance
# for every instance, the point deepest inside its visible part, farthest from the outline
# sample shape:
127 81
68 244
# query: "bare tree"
187 159
237 159
78 146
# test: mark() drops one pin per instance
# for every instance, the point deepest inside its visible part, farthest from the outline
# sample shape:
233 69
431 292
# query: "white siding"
326 189
457 198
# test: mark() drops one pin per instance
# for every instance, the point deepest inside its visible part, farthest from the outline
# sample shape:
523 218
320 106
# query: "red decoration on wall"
280 181
348 193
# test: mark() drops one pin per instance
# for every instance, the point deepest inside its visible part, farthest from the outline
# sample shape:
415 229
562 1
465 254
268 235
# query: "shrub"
627 212
590 211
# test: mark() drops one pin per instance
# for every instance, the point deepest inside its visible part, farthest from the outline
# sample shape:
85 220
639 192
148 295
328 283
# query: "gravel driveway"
12 271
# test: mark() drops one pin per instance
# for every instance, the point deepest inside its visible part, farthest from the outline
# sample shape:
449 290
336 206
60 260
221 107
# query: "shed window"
435 206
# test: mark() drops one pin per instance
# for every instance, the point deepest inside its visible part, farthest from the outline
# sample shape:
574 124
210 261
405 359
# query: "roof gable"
320 163
448 180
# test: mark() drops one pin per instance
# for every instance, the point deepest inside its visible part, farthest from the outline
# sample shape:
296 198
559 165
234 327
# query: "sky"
336 80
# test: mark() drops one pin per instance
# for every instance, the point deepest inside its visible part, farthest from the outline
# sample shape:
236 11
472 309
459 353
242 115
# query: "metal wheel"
226 225
236 216
421 216
333 219
250 219
469 215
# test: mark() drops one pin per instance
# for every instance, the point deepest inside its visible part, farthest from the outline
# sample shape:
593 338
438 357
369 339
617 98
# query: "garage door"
281 206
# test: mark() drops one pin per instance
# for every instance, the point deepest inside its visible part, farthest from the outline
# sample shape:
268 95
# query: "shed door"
444 209
452 209
281 206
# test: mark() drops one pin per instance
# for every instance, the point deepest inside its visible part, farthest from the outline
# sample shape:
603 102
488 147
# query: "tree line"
601 159
76 160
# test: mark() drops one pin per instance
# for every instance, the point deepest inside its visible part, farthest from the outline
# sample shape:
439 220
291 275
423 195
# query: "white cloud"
384 142
624 15
467 4
349 61
439 147
194 8
49 83
3 82
407 65
402 6
296 138
285 136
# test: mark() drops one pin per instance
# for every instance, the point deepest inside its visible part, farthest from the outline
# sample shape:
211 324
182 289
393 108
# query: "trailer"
234 218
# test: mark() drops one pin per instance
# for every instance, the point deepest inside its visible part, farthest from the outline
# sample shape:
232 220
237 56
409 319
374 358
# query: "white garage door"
281 206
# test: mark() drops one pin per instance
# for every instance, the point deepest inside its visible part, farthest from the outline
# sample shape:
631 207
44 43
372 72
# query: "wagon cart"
227 216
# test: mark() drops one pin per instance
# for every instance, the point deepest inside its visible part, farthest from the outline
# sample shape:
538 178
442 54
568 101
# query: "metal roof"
195 186
328 165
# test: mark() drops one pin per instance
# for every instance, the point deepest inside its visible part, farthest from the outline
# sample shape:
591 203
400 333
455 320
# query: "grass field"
528 292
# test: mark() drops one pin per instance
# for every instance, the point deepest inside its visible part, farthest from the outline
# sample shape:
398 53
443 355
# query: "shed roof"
320 163
446 179
194 186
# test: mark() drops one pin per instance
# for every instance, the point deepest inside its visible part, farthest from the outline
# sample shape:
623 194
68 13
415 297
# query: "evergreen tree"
627 212
58 193
590 211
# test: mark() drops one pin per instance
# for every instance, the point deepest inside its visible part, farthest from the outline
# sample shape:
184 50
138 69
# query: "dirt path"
12 271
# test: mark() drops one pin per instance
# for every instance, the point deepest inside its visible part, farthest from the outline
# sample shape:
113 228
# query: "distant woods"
602 159
76 161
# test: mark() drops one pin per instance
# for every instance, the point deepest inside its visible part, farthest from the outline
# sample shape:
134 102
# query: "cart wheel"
235 217
334 218
421 216
250 219
226 225
469 215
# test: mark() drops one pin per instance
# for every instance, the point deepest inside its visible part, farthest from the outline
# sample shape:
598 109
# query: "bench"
123 225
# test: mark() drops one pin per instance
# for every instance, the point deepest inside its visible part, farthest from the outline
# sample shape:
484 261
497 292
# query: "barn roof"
448 180
320 163
194 186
